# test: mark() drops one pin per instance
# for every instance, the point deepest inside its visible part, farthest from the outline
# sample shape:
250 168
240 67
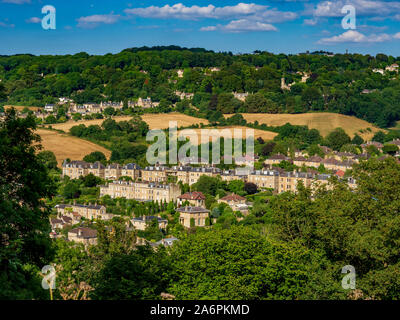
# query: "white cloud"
210 28
6 25
310 22
239 11
353 36
33 20
397 35
97 19
16 1
180 11
241 25
363 8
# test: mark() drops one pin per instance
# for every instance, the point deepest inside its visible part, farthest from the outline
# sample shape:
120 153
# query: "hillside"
68 125
324 122
261 82
161 121
65 146
266 135
20 108
155 121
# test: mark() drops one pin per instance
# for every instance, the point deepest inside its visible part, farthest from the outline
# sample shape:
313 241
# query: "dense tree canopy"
343 83
24 227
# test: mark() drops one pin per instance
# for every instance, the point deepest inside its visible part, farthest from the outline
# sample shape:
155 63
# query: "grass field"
161 121
20 108
65 146
155 121
266 135
324 122
68 125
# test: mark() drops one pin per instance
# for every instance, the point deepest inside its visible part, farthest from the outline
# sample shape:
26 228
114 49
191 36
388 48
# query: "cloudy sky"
287 26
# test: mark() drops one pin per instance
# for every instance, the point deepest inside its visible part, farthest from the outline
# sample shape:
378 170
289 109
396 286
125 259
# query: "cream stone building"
193 216
84 235
155 174
146 103
240 95
113 171
231 175
196 173
264 178
233 200
87 211
75 169
182 174
276 159
97 169
288 181
141 223
141 191
184 95
131 170
194 198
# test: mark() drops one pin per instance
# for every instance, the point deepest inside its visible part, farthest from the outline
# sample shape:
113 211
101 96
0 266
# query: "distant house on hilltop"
49 107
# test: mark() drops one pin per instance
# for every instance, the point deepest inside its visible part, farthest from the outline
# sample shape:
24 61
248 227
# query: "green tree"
357 140
207 266
337 139
24 223
314 149
71 190
48 158
95 156
379 137
50 119
3 95
141 274
390 149
250 188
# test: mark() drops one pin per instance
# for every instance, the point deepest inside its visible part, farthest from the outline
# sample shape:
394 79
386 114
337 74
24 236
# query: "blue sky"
279 26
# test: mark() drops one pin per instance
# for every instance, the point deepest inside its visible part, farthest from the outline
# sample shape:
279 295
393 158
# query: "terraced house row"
75 169
158 174
159 183
282 181
141 191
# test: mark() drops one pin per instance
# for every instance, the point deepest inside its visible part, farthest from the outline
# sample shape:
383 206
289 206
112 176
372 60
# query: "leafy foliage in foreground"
24 225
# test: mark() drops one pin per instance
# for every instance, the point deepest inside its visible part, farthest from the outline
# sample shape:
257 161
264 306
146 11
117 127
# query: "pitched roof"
84 232
148 218
195 195
233 197
191 209
90 206
340 173
325 149
395 142
372 143
315 159
330 161
278 157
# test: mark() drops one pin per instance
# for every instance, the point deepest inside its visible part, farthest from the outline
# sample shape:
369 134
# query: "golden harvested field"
155 121
65 146
266 135
324 122
68 125
20 108
161 121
